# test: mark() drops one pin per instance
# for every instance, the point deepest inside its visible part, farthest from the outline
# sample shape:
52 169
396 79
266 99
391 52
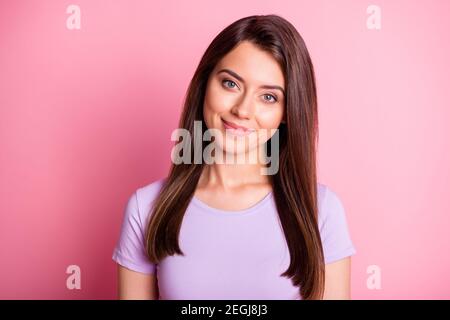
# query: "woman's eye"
229 81
273 100
231 85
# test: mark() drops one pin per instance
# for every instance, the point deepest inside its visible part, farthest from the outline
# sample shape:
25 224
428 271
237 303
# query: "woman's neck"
227 177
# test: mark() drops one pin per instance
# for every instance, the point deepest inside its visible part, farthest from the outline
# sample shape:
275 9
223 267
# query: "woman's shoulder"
145 196
329 201
333 227
149 191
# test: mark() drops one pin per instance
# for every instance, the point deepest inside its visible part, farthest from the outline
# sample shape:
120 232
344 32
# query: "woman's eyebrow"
234 74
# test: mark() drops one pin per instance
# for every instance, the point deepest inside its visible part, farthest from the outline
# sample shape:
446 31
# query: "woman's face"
246 88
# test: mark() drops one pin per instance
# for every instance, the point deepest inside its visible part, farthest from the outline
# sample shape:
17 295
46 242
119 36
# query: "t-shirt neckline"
253 209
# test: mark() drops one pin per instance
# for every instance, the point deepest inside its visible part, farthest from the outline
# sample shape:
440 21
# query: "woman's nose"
244 108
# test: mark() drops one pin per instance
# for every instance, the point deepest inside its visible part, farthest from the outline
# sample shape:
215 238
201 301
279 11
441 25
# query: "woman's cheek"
217 100
269 118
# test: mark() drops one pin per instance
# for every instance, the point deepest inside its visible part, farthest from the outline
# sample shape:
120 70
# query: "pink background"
86 117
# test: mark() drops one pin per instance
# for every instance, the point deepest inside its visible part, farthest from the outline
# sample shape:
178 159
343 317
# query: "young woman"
226 231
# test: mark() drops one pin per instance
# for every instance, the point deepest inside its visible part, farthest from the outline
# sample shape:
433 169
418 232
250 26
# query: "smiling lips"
236 129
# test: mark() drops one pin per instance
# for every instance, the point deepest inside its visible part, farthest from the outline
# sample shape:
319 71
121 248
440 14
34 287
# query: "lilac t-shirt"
228 254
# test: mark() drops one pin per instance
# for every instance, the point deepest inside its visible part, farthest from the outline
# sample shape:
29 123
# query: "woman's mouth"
236 129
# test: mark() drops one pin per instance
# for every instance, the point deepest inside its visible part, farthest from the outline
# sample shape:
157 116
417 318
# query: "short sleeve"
130 248
334 232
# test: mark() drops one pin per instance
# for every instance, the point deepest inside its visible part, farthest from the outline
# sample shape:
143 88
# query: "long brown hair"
295 183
